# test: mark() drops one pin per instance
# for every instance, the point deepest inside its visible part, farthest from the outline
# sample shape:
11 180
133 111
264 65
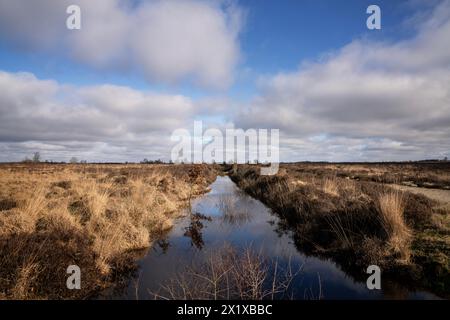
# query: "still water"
237 219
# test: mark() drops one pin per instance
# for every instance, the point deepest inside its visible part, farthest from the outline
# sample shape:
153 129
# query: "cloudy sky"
137 70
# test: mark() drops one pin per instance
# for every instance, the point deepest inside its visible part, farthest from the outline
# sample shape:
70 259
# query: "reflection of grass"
229 274
194 230
226 203
232 212
236 217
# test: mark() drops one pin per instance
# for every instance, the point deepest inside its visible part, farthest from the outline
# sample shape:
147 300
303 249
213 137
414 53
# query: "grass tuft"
391 208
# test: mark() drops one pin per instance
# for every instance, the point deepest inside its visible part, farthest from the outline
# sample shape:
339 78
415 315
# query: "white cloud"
164 40
368 101
102 122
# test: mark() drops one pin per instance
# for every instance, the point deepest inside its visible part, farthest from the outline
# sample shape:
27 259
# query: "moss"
431 251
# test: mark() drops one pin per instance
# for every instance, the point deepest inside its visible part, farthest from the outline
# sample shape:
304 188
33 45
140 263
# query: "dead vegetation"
93 216
431 174
99 216
398 234
228 274
357 223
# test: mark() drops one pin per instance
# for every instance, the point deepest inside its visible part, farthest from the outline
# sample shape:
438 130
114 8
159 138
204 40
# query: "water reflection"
227 215
234 211
163 244
194 230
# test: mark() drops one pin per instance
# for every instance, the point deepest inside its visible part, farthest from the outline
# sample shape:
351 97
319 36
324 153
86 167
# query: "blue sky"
249 63
279 36
276 37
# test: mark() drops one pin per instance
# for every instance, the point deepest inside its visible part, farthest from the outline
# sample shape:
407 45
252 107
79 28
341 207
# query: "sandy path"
442 196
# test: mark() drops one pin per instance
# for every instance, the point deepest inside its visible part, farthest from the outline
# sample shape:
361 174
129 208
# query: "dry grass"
93 216
331 187
358 221
423 174
341 229
354 214
391 208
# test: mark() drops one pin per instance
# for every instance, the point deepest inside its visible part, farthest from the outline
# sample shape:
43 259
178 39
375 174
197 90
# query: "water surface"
239 220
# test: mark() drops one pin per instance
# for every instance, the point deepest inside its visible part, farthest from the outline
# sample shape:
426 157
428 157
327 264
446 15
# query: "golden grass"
331 186
391 209
115 210
26 275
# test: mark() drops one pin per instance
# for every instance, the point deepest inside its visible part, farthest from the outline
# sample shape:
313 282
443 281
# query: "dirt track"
443 196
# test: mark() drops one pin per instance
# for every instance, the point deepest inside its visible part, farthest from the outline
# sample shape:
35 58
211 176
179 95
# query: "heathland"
396 215
102 216
94 216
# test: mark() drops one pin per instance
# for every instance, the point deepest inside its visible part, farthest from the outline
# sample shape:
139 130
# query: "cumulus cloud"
368 101
164 40
102 122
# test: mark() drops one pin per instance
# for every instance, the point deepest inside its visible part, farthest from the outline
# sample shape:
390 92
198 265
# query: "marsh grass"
93 216
330 186
391 208
361 222
342 230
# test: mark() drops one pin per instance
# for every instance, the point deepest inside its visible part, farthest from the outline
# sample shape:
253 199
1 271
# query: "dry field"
358 216
101 217
415 174
93 216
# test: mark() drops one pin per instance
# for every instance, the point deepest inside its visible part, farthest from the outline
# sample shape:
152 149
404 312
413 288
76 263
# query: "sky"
137 70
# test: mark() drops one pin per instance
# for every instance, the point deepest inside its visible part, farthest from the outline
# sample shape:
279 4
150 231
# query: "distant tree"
73 160
159 161
36 157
